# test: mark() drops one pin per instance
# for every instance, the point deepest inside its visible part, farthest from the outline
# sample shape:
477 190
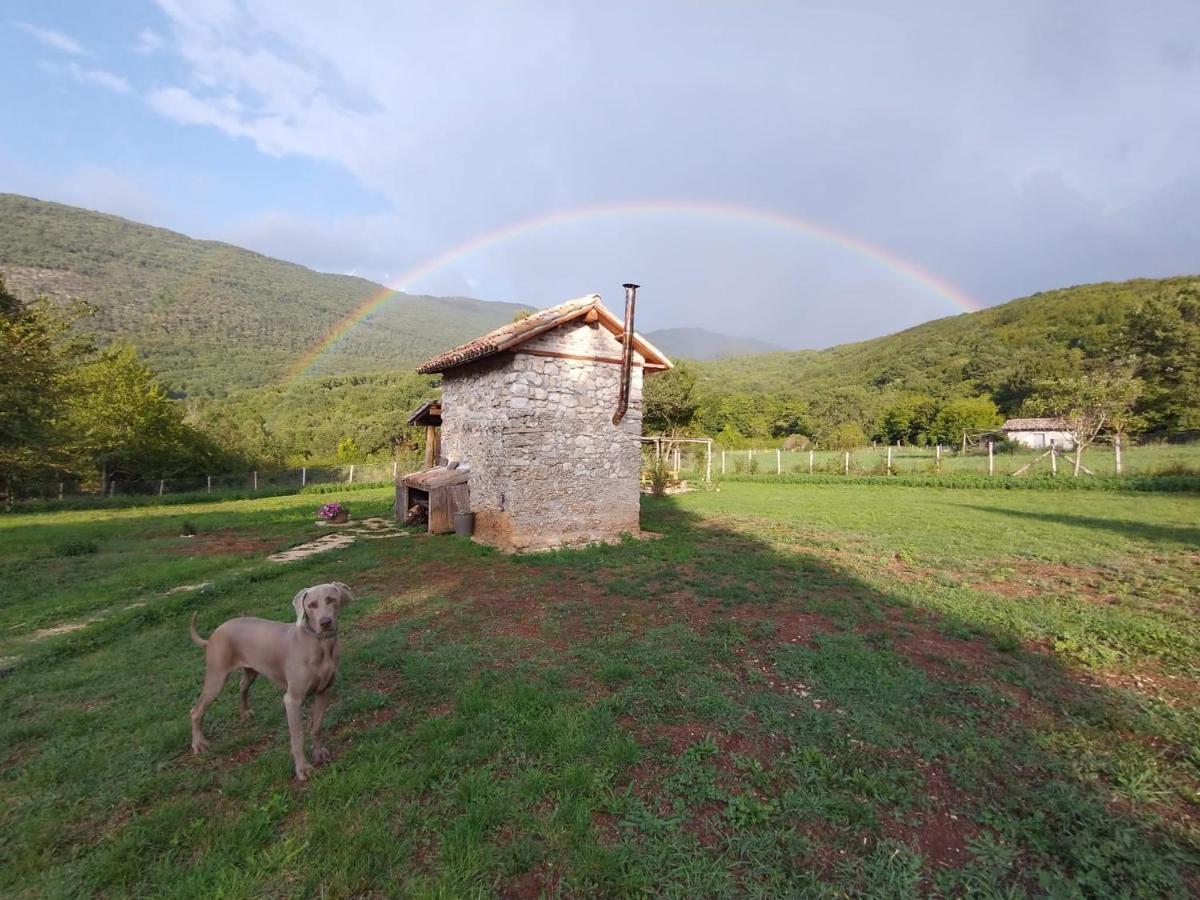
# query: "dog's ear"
298 606
344 595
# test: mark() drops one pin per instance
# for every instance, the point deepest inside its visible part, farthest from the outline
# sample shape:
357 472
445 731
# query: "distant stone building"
1038 433
528 411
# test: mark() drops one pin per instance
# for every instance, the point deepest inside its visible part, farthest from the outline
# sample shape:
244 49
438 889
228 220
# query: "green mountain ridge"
219 321
212 317
956 353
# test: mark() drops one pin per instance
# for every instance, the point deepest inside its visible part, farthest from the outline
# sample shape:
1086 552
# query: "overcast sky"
995 149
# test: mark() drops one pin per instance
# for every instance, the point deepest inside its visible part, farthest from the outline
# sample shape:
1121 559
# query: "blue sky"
1002 148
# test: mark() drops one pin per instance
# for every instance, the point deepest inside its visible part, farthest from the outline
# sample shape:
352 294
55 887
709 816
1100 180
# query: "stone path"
374 529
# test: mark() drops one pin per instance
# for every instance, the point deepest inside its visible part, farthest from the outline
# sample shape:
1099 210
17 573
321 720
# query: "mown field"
798 690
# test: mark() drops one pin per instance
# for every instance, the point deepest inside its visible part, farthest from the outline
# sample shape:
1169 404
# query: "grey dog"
302 659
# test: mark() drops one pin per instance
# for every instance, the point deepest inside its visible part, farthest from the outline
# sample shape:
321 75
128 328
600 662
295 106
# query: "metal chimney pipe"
626 353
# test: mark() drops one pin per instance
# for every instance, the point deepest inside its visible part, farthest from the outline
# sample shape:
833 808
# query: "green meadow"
802 690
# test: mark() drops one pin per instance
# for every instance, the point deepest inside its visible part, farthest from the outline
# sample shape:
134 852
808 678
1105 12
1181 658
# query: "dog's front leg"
320 752
295 719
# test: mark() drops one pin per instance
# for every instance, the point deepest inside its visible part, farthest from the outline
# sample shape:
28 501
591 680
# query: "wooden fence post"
810 461
1053 460
303 476
991 466
847 462
676 460
964 450
889 459
210 484
256 479
937 452
351 479
778 461
161 482
707 461
395 469
1117 451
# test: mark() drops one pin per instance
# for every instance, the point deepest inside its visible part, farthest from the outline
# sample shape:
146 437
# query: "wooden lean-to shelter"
438 493
542 420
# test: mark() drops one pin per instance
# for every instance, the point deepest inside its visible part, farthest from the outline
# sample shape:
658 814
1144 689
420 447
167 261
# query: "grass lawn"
799 690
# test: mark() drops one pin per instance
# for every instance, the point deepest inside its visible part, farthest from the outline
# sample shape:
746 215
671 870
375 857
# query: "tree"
35 355
669 400
908 418
962 415
1164 336
846 437
121 420
1088 403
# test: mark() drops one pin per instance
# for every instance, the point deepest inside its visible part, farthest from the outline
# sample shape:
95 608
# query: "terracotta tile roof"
1047 424
508 336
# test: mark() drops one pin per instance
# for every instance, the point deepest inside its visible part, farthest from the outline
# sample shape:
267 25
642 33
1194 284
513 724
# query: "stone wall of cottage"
548 467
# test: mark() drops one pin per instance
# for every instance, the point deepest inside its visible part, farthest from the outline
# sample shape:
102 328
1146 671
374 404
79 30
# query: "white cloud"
963 141
87 75
54 39
148 41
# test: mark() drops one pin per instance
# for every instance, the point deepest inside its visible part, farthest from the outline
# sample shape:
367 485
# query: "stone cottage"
528 411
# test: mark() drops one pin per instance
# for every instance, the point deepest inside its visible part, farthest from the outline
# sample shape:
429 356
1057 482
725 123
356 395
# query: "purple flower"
331 510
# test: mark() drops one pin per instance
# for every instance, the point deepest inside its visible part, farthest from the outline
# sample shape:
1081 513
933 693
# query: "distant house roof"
509 336
428 413
1047 424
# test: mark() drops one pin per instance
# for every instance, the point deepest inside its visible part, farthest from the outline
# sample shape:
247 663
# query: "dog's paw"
321 755
303 771
199 745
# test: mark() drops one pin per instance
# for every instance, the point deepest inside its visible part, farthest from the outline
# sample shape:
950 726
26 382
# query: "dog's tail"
196 639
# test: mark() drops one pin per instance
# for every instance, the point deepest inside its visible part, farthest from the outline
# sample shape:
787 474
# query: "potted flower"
333 514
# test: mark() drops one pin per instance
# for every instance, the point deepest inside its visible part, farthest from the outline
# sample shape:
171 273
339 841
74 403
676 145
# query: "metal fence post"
351 479
256 479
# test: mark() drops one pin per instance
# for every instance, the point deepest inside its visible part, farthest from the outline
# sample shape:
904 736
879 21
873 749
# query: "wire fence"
1176 453
273 481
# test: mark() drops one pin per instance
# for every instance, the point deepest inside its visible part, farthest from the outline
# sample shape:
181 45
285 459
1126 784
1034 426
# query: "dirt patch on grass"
1024 579
944 829
249 752
937 654
540 881
226 542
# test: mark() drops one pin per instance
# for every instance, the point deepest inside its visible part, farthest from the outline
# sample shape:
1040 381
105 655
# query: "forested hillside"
1002 353
211 317
222 325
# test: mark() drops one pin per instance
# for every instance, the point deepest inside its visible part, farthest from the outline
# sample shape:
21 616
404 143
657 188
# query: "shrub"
846 437
659 475
76 548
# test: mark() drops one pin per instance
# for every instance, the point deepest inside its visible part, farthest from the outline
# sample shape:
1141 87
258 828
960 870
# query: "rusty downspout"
626 353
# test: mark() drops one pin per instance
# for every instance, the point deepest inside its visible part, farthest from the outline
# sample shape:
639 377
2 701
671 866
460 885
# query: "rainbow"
904 268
